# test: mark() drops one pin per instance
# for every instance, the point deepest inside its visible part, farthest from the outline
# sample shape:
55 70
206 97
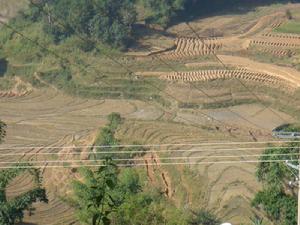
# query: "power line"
154 86
141 159
244 85
150 164
152 145
143 151
132 72
63 59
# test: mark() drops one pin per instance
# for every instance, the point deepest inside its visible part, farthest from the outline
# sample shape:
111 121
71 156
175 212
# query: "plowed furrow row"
207 75
275 43
280 35
279 52
11 94
188 47
276 24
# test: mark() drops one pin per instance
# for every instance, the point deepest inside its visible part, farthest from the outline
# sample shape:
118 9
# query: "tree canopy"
11 211
108 21
112 195
111 21
116 196
279 204
106 137
162 11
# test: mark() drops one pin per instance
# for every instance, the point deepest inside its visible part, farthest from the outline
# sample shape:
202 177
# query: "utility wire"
244 85
141 159
63 59
150 164
143 151
153 145
192 123
132 72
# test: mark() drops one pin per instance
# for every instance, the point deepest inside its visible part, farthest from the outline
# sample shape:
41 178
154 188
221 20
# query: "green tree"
106 137
280 206
93 197
162 11
108 21
11 211
112 22
256 220
112 196
204 217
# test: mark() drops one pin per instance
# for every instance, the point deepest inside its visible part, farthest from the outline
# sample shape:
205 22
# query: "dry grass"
50 117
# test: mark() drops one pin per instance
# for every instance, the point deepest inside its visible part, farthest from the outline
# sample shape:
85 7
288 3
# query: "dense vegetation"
106 138
111 21
111 195
277 199
107 20
123 195
82 33
164 12
11 211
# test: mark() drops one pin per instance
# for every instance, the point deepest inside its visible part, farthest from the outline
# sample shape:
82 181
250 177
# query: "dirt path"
286 73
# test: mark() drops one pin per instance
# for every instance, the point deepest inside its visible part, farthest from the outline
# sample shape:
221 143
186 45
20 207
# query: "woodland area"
111 21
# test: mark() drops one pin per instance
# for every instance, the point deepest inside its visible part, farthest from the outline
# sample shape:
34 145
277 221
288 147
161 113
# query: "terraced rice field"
188 47
208 75
46 121
50 118
218 187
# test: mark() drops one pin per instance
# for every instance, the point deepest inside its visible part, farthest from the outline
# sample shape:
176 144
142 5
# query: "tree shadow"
200 9
23 223
142 31
3 66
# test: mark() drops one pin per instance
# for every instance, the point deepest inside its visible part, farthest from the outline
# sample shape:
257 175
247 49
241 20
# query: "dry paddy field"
48 121
50 118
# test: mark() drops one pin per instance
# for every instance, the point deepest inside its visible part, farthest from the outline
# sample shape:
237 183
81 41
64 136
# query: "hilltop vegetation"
277 199
111 21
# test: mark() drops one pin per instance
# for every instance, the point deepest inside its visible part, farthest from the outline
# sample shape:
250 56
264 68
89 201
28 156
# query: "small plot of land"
10 8
292 27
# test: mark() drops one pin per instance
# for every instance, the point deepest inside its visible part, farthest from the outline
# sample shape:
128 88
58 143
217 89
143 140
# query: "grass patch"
76 72
216 105
292 27
5 84
228 103
257 54
272 97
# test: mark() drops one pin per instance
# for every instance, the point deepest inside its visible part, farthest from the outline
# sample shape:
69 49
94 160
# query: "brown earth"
48 117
